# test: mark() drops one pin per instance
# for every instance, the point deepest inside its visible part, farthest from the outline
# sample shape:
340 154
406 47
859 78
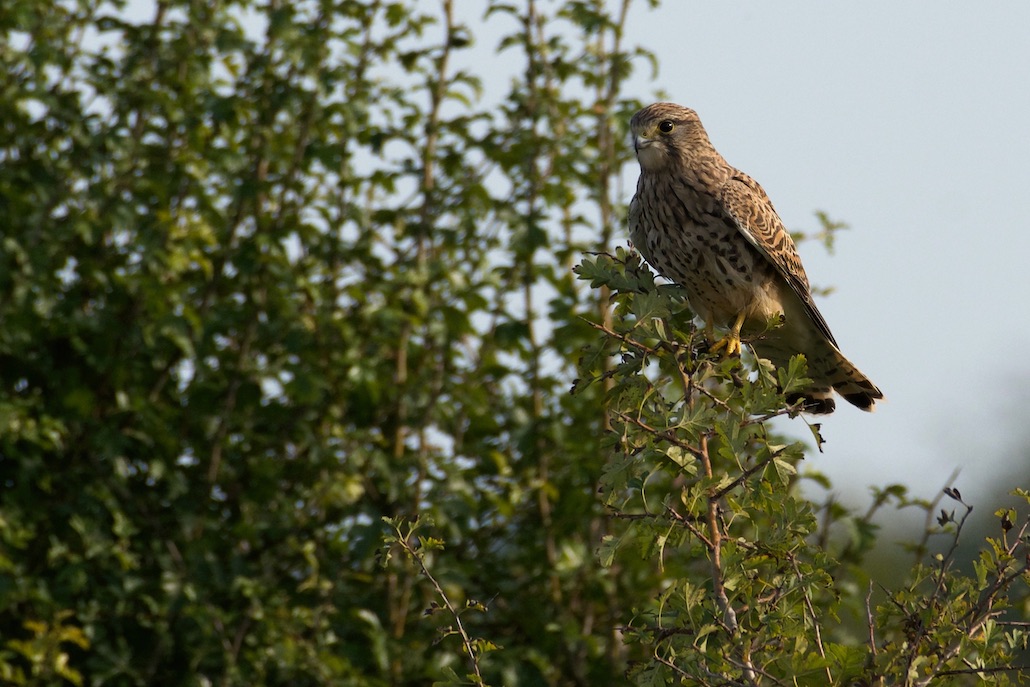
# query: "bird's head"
663 132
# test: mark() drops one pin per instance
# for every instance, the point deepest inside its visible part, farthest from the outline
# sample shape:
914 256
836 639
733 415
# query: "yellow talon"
730 344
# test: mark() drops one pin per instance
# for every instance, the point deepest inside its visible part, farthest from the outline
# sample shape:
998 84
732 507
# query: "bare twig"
729 616
761 465
663 434
931 510
419 557
722 680
869 619
815 620
990 671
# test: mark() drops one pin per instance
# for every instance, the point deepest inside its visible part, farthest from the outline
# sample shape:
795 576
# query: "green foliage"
755 582
272 272
289 327
43 653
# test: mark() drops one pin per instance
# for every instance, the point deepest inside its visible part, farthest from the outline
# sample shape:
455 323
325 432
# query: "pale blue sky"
909 121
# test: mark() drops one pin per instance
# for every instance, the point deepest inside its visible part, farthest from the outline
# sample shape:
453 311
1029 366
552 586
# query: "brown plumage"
711 229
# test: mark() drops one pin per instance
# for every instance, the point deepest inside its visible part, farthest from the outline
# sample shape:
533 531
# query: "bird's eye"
666 126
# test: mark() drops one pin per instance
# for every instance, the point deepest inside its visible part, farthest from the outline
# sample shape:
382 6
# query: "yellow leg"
730 344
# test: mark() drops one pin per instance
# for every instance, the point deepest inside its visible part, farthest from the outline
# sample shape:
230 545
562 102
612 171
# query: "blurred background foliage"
272 272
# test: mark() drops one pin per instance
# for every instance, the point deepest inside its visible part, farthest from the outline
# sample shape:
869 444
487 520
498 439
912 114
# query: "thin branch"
1010 549
723 680
748 666
622 337
931 509
665 434
815 619
744 475
990 671
691 527
869 619
466 640
729 616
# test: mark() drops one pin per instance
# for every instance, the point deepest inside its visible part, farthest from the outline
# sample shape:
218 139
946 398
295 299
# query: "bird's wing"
752 212
636 232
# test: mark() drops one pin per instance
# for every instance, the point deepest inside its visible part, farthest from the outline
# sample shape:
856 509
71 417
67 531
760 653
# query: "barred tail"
848 381
830 371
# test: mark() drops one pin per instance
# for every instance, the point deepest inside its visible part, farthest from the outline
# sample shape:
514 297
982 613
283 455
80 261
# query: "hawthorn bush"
755 577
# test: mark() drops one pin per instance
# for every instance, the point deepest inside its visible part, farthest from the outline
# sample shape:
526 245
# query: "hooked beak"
640 141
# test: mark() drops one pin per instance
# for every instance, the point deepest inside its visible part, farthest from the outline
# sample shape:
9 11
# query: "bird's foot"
728 345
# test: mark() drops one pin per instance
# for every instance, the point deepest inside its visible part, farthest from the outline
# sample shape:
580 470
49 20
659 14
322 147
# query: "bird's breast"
688 239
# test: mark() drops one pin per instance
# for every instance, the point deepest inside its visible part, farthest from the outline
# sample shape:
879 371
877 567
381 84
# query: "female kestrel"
711 229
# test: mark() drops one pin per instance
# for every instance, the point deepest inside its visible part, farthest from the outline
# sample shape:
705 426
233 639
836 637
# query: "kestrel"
712 229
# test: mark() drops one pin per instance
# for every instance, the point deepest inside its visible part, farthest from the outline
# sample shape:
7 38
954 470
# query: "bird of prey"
711 229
